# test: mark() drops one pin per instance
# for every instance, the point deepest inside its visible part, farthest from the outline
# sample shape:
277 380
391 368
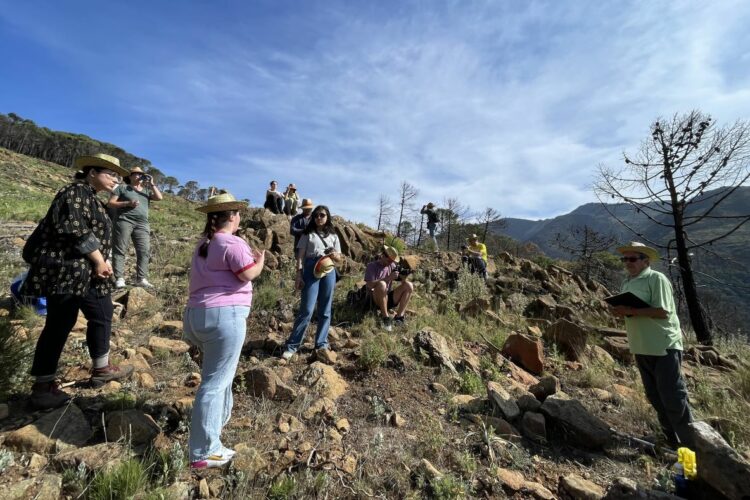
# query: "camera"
403 272
146 178
329 250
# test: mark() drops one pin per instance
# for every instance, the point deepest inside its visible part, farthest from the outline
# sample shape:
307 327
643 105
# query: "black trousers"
665 390
62 313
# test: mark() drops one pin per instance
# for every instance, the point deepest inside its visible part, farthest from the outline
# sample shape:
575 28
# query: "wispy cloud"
503 105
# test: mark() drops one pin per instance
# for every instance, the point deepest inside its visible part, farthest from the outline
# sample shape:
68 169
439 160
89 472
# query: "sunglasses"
110 173
321 215
631 259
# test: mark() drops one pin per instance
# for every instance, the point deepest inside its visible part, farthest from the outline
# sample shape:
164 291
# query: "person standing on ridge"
432 221
132 203
300 221
655 339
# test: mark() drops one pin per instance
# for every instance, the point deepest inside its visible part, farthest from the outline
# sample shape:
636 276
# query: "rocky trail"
522 389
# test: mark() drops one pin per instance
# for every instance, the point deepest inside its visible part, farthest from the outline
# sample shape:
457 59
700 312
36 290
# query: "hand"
102 270
109 268
299 283
259 256
134 203
621 311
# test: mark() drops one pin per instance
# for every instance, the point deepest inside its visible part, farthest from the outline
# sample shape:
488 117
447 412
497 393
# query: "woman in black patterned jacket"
69 255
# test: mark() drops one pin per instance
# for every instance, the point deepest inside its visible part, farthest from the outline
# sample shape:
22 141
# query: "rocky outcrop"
433 346
61 429
576 424
718 464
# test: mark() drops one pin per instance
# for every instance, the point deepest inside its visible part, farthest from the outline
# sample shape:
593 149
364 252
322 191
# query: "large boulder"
619 349
718 464
61 429
577 425
526 351
569 337
533 426
432 345
542 307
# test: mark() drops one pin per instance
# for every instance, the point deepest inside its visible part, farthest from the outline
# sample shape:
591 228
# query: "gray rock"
547 386
434 345
578 488
61 429
94 458
527 402
718 464
626 489
534 427
133 426
503 402
577 425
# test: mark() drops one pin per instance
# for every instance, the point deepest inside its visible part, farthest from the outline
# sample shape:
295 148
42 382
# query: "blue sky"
504 104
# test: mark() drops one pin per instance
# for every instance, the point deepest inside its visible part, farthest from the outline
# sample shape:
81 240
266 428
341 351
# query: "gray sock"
101 361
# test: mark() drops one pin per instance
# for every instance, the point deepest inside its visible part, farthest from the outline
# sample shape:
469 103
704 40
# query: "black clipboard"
626 299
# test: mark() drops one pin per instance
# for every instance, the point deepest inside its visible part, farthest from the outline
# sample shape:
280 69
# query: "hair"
272 183
214 222
313 227
84 172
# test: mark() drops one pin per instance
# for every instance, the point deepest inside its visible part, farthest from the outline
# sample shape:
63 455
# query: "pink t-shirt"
213 279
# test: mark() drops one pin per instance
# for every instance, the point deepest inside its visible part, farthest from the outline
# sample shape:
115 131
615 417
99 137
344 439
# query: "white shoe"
120 283
144 284
287 355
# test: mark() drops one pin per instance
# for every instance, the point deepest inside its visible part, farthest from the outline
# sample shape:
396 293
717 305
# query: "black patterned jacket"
76 224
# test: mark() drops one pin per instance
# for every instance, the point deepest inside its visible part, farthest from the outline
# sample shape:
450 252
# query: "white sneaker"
144 284
120 283
287 355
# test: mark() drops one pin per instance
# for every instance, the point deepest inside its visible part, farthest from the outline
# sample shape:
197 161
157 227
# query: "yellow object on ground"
686 457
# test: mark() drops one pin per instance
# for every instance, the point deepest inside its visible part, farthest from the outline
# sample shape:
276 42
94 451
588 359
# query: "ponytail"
214 222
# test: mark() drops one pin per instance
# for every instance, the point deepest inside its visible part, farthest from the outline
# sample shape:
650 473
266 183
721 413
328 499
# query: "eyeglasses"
112 174
631 259
321 215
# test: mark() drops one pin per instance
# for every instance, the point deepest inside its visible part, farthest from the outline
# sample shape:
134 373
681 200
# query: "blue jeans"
219 333
315 290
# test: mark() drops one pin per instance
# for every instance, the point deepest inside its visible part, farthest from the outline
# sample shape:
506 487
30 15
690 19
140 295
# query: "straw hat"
638 247
136 170
307 204
292 186
222 202
103 161
473 237
391 252
323 266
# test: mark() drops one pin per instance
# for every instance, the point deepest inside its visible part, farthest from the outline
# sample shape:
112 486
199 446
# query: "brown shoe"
47 395
326 356
100 376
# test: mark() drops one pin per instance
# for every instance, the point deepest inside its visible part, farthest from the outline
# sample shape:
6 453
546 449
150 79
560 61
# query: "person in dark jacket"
432 221
69 258
300 221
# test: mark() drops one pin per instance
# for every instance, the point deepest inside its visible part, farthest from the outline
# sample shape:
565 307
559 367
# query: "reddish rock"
525 350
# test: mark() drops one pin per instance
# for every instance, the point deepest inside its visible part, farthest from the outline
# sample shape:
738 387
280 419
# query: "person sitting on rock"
474 254
291 200
655 339
300 221
380 275
274 199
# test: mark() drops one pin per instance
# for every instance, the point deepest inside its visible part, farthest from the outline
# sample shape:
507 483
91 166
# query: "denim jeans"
140 234
315 290
219 333
62 314
432 228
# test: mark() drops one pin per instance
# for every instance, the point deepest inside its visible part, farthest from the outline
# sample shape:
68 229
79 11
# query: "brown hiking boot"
100 376
47 395
326 356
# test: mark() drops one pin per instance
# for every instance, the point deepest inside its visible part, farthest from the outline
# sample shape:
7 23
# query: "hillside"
511 389
722 279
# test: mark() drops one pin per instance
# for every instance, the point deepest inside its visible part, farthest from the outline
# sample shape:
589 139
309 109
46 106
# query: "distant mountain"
726 275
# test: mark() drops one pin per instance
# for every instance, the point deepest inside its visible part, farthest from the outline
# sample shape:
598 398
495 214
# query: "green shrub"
470 383
15 360
118 401
283 488
469 286
396 243
448 487
373 352
120 483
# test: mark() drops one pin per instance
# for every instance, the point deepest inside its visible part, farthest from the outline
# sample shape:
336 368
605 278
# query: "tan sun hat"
222 202
473 237
323 266
307 204
638 247
136 170
391 252
103 161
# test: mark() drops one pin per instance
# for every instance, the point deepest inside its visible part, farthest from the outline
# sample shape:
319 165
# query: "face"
273 186
384 259
307 211
321 217
136 178
634 262
104 180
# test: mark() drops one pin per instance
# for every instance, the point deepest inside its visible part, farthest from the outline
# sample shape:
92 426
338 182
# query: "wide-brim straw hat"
391 252
222 202
638 247
307 203
136 170
103 161
323 266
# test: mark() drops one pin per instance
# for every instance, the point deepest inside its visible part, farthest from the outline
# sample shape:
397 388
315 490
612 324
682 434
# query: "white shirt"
315 245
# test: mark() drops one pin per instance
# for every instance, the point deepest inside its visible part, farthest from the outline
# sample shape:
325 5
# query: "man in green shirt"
655 339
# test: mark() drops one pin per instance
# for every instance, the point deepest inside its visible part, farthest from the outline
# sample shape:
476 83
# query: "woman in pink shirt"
221 293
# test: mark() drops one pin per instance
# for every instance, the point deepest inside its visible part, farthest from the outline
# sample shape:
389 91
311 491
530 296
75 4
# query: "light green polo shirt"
653 336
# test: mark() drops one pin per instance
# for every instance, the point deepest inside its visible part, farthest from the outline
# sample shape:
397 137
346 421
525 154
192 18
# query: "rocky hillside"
521 387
